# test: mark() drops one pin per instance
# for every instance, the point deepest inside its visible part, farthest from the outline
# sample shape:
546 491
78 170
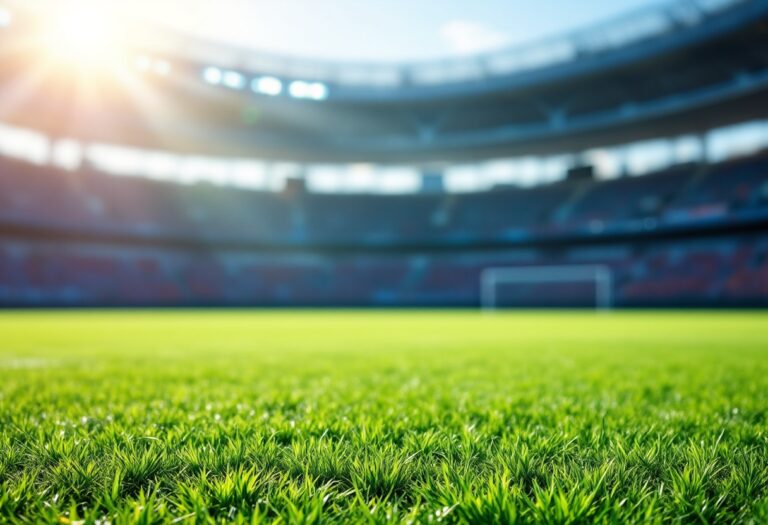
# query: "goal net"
547 286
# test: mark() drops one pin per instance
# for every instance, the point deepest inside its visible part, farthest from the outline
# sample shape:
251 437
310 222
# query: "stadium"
518 284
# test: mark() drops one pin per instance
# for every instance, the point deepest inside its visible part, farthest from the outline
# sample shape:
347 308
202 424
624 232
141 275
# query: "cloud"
466 37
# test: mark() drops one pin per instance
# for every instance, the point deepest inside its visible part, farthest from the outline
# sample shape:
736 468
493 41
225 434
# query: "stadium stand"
85 238
86 201
691 234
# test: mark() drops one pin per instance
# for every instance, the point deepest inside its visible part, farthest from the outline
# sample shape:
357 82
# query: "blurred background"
424 154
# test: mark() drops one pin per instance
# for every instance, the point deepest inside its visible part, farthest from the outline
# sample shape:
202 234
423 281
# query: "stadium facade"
691 234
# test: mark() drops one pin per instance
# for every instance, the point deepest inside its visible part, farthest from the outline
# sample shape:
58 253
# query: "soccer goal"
493 280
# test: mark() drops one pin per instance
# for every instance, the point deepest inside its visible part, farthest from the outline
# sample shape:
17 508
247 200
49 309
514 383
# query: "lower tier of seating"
713 271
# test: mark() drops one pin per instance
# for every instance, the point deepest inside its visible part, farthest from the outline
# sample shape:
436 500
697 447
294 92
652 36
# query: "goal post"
493 278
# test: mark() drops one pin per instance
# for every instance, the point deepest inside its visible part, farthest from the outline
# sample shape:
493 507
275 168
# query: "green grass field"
375 417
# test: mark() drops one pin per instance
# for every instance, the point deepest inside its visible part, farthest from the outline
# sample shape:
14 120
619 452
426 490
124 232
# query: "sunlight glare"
84 34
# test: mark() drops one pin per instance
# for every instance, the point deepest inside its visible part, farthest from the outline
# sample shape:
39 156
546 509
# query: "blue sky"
391 30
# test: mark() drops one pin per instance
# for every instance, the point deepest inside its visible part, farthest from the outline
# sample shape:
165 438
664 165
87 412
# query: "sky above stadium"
372 30
391 30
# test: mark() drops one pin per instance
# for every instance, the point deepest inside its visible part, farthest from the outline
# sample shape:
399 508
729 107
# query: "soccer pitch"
377 417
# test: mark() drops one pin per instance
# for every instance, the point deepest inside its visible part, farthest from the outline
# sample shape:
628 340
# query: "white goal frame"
601 275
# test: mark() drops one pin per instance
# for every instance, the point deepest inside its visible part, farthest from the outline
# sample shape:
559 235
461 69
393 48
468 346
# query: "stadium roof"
475 53
400 30
592 88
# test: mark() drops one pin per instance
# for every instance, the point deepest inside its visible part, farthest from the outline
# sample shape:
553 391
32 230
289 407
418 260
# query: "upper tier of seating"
89 202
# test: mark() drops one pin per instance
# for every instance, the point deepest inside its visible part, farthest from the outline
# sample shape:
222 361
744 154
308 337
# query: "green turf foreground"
377 417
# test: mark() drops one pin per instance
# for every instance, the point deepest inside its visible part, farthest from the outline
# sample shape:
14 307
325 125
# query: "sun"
84 34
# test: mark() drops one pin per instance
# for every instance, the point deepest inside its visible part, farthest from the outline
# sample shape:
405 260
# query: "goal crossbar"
601 275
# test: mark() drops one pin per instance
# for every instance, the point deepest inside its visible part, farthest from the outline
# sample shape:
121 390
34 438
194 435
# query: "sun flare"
84 35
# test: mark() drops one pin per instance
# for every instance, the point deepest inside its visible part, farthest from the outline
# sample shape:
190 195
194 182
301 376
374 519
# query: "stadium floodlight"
600 275
213 75
143 63
299 89
161 67
318 91
267 86
158 66
308 90
233 80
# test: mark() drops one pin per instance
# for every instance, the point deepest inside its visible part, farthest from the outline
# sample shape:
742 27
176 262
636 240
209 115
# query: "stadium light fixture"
143 63
308 90
161 67
212 75
233 80
298 89
267 86
158 66
318 91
